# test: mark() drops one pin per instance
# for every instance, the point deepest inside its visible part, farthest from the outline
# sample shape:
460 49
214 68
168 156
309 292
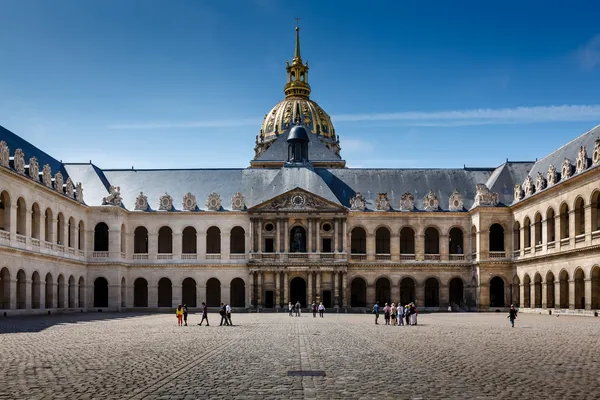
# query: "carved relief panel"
581 162
19 161
4 154
213 202
567 169
141 202
455 202
189 202
484 197
47 176
596 155
407 202
551 176
382 203
58 182
540 182
358 202
238 202
34 169
529 186
431 202
518 193
166 202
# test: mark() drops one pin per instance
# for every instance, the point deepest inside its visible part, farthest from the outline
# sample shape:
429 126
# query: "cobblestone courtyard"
447 356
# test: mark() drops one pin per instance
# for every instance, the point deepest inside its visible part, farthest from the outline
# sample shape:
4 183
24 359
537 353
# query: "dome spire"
297 73
297 52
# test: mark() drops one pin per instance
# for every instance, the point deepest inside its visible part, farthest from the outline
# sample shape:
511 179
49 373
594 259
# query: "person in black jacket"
204 315
223 313
512 315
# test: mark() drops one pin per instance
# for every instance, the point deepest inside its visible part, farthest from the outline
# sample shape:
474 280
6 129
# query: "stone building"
297 225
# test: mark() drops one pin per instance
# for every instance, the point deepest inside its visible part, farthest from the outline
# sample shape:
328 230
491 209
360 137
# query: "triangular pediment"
297 200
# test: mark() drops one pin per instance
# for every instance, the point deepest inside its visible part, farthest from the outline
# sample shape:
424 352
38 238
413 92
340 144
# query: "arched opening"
237 243
496 292
579 216
550 290
71 232
165 240
48 289
81 236
517 236
237 293
564 222
550 225
188 292
516 291
564 289
60 229
432 241
48 225
21 212
538 228
21 289
407 291
100 292
358 293
358 241
189 241
455 241
382 241
496 237
140 240
579 289
383 292
5 211
527 232
213 292
432 293
81 287
101 237
36 287
123 239
456 287
5 288
595 207
595 287
71 292
60 291
123 292
165 293
298 291
537 291
213 240
36 218
298 240
407 241
140 293
527 291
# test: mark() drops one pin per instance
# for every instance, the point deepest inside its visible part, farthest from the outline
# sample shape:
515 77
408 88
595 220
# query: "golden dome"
286 112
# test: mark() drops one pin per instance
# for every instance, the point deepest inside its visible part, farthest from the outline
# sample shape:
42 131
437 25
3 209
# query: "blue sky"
158 84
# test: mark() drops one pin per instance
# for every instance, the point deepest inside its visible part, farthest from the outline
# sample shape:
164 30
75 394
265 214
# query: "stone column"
201 293
54 287
336 289
259 234
226 293
28 232
13 221
286 236
152 246
318 244
370 246
259 294
177 245
114 243
43 294
225 246
522 296
522 240
277 276
395 246
12 287
557 292
587 291
444 296
286 286
309 244
152 296
176 295
114 297
309 291
544 232
336 235
587 210
201 246
344 236
419 247
318 294
251 247
394 292
250 290
129 293
420 294
344 290
371 294
571 294
544 295
444 248
278 237
572 235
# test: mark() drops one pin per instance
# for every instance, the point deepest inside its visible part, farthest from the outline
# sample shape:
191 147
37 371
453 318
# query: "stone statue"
298 241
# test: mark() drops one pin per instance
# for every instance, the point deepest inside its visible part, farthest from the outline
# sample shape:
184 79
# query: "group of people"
182 313
295 309
397 315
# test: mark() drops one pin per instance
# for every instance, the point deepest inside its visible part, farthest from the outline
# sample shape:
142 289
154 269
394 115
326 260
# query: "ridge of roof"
567 144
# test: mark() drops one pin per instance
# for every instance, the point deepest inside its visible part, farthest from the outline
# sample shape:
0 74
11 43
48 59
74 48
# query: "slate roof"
317 151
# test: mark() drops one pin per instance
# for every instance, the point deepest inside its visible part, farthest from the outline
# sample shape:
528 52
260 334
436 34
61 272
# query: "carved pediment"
358 202
581 163
596 154
407 202
540 182
141 202
382 203
431 202
484 197
189 202
113 198
529 186
166 202
297 200
213 202
238 203
456 201
567 169
551 175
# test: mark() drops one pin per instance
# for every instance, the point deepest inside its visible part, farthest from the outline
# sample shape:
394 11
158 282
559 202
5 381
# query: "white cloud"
357 145
226 123
588 55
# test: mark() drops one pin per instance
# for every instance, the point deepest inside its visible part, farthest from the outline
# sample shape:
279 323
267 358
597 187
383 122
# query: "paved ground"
116 356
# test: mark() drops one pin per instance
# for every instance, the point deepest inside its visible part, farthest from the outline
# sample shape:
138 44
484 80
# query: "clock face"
298 200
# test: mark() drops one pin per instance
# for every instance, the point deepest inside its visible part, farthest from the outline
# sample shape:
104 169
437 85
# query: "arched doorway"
455 241
36 287
595 288
5 288
101 237
189 241
550 290
60 291
497 292
527 291
140 240
407 241
496 237
579 289
237 293
165 240
213 292
123 292
188 292
456 291
48 291
298 291
71 291
237 244
358 293
383 293
382 241
407 291
432 241
432 293
21 289
298 240
100 292
140 293
213 240
564 289
165 293
537 290
516 291
358 241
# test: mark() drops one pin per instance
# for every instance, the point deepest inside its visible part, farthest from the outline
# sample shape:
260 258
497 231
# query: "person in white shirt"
290 308
228 313
321 310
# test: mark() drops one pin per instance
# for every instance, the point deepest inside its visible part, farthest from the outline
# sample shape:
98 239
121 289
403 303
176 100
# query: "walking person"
298 308
376 312
407 314
321 310
185 314
228 314
512 315
179 314
204 314
400 315
394 313
313 308
223 313
290 308
386 313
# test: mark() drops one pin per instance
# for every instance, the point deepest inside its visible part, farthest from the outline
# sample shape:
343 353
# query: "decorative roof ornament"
518 193
79 192
484 197
382 203
431 202
456 202
596 154
166 202
551 175
58 182
189 202
69 188
47 176
358 202
141 202
114 197
4 154
238 203
213 202
581 163
529 186
407 202
19 161
540 182
567 169
297 83
34 169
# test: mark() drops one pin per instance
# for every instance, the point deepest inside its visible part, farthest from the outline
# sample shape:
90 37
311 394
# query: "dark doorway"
269 299
238 293
213 292
383 292
496 292
100 292
407 291
298 291
432 293
188 295
326 246
165 293
140 293
358 293
269 247
327 298
456 291
298 240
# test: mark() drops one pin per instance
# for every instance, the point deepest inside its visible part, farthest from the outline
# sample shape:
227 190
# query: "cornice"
529 260
41 256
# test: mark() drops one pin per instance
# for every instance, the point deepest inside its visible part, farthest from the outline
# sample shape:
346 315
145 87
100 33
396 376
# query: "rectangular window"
326 245
268 245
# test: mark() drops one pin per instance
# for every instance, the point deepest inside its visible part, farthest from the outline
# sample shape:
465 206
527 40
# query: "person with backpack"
223 313
313 308
512 315
185 314
204 315
376 312
298 308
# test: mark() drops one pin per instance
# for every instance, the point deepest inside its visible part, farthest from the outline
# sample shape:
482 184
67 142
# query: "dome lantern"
297 74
